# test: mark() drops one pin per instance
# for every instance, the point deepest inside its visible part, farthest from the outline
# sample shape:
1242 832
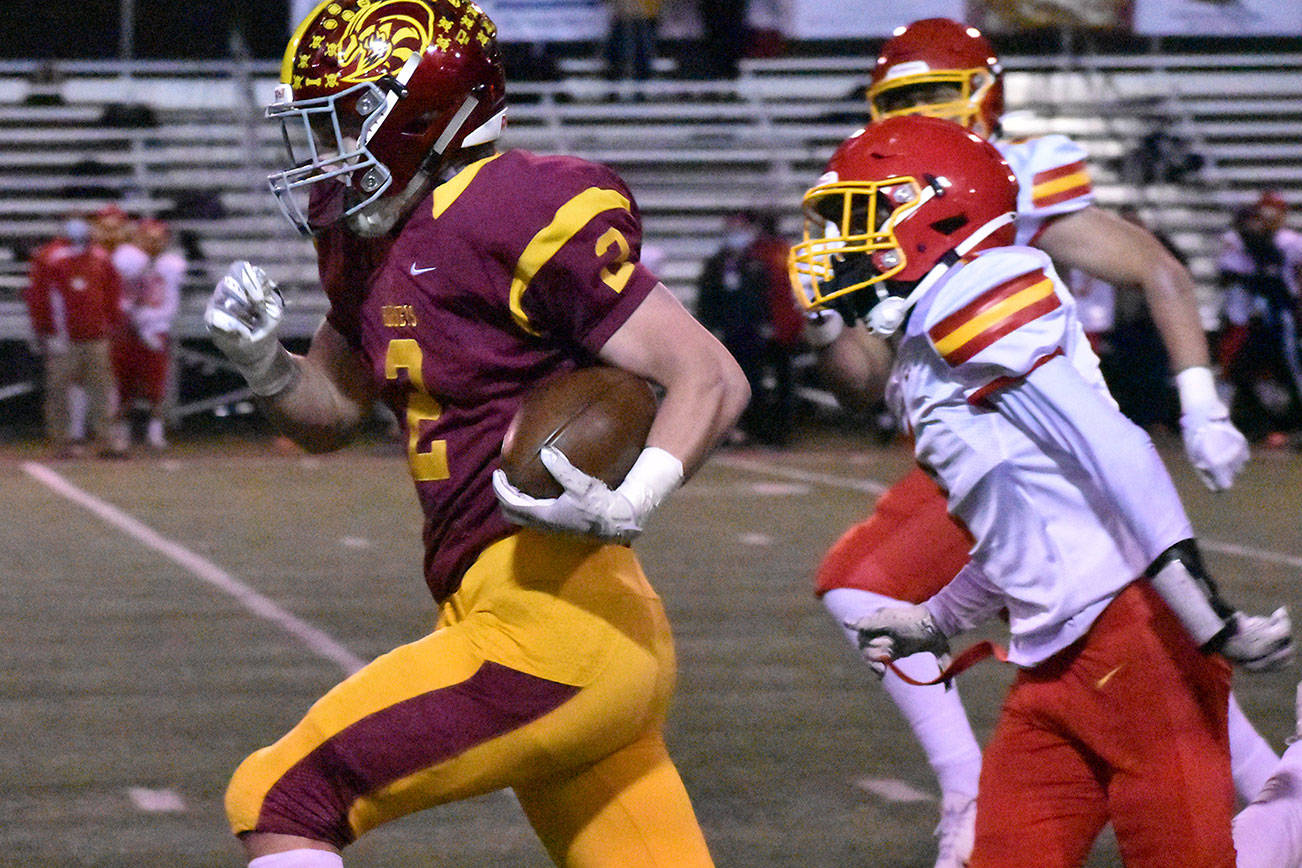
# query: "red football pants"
908 549
1126 726
140 372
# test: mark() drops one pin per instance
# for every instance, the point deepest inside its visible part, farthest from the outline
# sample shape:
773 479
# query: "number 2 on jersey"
432 463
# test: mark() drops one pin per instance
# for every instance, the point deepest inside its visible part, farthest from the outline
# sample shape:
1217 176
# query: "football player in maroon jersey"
458 277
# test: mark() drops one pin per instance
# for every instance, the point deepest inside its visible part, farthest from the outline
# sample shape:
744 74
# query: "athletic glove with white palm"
1216 449
589 506
243 316
898 631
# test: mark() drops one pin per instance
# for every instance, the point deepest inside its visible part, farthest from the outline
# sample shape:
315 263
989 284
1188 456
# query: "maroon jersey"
518 268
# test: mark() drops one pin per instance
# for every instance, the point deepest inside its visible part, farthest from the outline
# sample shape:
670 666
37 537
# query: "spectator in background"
110 226
73 299
724 36
1261 270
736 301
141 349
632 45
45 86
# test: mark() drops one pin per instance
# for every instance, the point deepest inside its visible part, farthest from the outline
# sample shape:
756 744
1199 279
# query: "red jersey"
73 294
518 268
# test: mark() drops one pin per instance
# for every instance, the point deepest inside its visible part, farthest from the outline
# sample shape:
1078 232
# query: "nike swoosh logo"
418 271
1102 682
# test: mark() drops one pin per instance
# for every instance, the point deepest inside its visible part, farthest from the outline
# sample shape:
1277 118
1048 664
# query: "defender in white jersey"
909 547
1119 710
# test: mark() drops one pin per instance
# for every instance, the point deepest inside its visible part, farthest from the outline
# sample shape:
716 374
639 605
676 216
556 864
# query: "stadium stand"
691 150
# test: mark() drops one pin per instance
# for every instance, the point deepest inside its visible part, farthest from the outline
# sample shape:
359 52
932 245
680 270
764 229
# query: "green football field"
163 617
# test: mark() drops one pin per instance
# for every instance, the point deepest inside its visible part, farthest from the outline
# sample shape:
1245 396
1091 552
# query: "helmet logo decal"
379 36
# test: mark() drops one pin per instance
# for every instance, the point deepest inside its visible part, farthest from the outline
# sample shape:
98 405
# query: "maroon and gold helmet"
942 68
899 199
379 92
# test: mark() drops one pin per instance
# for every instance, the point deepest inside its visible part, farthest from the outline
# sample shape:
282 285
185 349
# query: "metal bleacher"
692 151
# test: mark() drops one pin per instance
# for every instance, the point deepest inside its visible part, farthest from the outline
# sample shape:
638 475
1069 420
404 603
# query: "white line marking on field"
756 539
871 486
320 642
874 486
1251 553
156 801
779 489
893 791
355 542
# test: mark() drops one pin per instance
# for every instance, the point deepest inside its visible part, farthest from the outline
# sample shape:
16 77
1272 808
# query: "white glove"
1260 643
898 631
1215 448
589 506
242 316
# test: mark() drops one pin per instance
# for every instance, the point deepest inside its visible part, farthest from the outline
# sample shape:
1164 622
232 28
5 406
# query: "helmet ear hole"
950 225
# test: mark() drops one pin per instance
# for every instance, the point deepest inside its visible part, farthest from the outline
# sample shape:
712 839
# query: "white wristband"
822 328
1197 390
650 480
277 373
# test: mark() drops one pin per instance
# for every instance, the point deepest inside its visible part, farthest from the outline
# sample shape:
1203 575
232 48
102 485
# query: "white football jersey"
1052 179
1066 498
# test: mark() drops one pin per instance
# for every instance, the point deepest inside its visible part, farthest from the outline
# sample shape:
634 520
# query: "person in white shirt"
141 350
1118 713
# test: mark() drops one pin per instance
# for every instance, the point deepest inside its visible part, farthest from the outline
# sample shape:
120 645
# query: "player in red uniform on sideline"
909 547
458 278
1118 710
141 348
73 300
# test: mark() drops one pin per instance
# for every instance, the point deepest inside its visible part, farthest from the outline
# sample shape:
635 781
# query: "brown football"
599 417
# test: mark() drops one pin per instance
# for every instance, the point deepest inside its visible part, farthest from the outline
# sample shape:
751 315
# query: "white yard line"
318 641
156 801
751 465
893 791
874 486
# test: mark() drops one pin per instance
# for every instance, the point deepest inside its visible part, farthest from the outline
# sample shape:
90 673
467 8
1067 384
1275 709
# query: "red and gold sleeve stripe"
1060 184
993 314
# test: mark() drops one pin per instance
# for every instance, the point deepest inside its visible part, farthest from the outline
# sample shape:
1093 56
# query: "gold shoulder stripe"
447 192
569 219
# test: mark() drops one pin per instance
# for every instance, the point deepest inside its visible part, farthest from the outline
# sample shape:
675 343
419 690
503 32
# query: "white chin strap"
888 315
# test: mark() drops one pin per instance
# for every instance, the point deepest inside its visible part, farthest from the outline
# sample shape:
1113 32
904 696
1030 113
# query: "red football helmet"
380 92
900 201
941 68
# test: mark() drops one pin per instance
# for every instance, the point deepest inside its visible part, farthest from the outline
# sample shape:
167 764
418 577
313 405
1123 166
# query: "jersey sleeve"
579 277
1052 179
998 319
37 293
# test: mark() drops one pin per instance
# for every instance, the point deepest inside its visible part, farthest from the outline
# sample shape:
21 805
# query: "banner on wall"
1009 16
548 20
858 19
1218 17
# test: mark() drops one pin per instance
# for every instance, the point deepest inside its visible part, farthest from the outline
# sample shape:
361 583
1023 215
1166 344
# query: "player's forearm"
1130 257
1173 304
968 601
698 410
855 367
312 411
